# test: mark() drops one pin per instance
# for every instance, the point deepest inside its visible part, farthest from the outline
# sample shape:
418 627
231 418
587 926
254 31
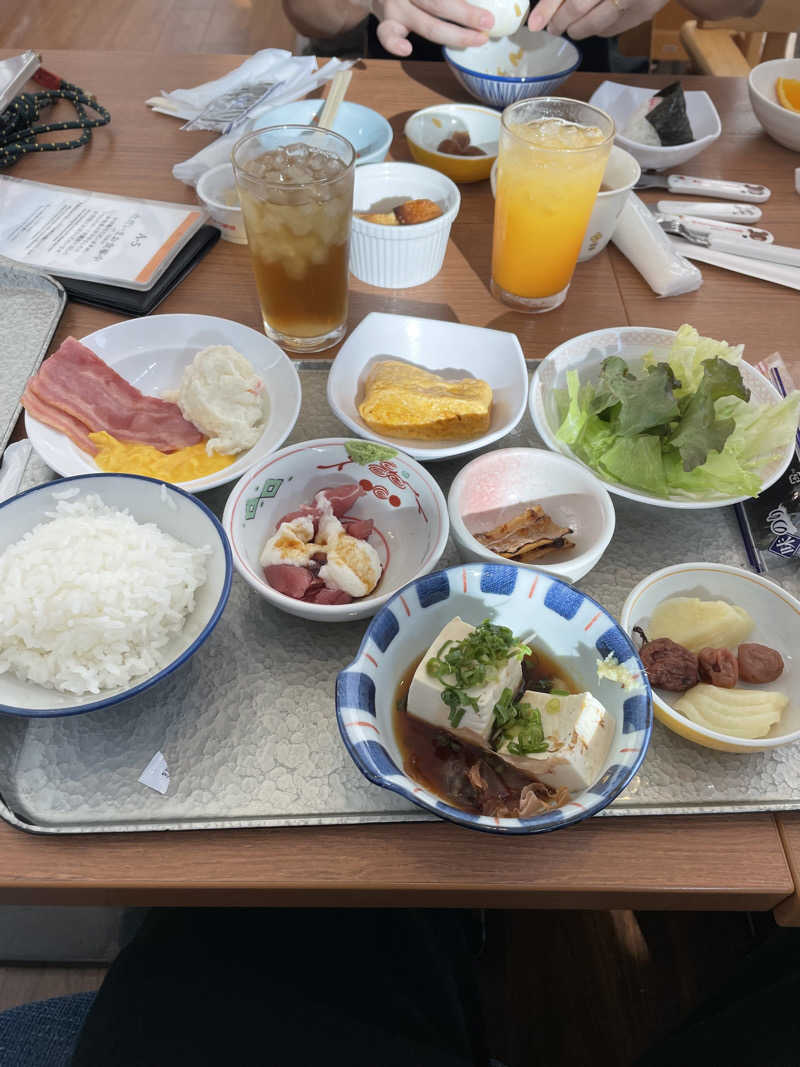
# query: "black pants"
360 988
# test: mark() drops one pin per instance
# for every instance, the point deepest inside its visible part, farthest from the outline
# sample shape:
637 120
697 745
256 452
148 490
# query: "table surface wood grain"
734 861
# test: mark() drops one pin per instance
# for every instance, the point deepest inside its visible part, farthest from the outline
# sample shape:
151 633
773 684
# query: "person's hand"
454 23
587 18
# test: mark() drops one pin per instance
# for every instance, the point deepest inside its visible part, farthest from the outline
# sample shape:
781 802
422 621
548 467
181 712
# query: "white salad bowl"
573 627
409 509
781 124
496 486
585 354
152 353
505 69
447 348
622 101
175 512
776 618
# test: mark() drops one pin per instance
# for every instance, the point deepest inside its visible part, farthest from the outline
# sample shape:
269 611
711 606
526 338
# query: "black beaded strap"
19 128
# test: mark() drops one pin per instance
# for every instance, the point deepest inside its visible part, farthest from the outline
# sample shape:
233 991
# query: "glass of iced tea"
296 190
553 153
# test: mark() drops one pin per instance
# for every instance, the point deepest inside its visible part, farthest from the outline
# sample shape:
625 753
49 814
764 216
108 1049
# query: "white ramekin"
397 257
210 189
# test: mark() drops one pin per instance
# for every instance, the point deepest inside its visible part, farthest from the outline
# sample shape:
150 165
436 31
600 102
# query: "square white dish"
621 101
447 348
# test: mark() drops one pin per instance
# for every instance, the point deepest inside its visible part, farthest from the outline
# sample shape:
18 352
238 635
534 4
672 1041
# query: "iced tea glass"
553 153
295 185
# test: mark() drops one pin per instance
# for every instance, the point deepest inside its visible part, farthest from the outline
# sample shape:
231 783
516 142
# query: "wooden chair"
734 46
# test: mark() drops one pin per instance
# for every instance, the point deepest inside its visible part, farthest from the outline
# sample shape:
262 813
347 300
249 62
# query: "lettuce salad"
684 426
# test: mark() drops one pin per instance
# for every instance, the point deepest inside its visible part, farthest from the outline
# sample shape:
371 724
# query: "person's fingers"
393 36
459 12
542 13
601 21
446 33
569 12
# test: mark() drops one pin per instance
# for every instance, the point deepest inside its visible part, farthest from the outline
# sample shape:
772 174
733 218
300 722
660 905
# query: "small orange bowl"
426 129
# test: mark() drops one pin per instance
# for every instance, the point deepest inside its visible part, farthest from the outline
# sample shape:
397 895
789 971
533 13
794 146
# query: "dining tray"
248 729
31 304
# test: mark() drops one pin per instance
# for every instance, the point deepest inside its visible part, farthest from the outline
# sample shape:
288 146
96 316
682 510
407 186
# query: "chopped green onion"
553 706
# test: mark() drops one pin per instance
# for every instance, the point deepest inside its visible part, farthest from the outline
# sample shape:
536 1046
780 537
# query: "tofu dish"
494 727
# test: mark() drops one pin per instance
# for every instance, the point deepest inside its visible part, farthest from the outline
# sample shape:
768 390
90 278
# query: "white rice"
91 597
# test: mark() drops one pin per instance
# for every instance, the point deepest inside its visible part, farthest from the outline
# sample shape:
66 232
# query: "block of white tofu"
578 733
425 693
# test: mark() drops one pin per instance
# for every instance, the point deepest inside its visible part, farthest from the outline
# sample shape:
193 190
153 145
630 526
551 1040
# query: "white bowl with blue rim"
404 501
175 512
572 626
529 63
367 131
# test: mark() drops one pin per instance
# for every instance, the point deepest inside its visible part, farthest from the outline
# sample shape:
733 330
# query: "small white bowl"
448 348
173 511
781 124
398 257
425 130
529 63
211 188
585 353
776 615
409 509
621 101
496 486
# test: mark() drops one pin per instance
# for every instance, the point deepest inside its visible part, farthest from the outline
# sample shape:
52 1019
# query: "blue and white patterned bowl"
514 68
577 629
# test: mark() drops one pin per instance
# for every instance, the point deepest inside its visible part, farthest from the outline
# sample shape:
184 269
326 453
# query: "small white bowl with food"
433 389
460 140
661 129
330 529
721 655
402 214
664 417
110 582
192 400
531 507
775 100
217 191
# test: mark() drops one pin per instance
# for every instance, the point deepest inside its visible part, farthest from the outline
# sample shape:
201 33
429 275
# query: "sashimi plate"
152 353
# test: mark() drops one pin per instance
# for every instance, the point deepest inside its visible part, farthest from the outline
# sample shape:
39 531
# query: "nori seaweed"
669 119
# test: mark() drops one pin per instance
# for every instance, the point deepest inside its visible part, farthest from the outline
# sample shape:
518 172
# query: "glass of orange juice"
553 152
295 186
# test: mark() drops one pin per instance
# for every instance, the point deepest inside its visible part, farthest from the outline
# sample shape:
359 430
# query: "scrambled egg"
401 400
183 465
224 397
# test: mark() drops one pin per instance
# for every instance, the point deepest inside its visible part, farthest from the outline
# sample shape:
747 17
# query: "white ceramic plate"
621 101
776 618
585 353
446 348
151 353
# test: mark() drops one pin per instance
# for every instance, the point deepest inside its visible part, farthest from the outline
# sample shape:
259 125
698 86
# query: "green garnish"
519 724
559 692
552 706
473 661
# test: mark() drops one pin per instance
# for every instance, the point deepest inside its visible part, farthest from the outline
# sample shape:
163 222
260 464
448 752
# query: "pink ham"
301 513
360 528
343 497
291 581
76 381
78 432
326 595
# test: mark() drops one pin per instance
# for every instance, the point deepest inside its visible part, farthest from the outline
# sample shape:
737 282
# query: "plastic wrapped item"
639 237
770 523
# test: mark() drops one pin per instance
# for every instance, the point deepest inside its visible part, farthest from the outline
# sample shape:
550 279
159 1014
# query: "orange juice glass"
553 152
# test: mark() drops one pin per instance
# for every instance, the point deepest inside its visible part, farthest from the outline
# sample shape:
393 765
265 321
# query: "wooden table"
718 862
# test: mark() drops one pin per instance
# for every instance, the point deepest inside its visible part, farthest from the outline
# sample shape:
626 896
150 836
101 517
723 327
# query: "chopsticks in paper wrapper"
237 102
639 237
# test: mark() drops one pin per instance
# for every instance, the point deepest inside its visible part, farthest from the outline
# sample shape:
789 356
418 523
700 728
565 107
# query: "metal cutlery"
733 244
745 192
669 224
711 210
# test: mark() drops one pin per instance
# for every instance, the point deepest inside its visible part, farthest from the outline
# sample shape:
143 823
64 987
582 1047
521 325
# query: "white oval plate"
151 353
447 348
585 353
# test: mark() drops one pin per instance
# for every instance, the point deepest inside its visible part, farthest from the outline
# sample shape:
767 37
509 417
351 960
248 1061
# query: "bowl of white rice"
109 583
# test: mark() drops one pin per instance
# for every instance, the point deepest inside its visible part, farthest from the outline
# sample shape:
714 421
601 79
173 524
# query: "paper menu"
96 237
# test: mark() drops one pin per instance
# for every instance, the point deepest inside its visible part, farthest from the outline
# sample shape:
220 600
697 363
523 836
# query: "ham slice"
341 499
360 528
78 432
76 381
290 580
326 595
